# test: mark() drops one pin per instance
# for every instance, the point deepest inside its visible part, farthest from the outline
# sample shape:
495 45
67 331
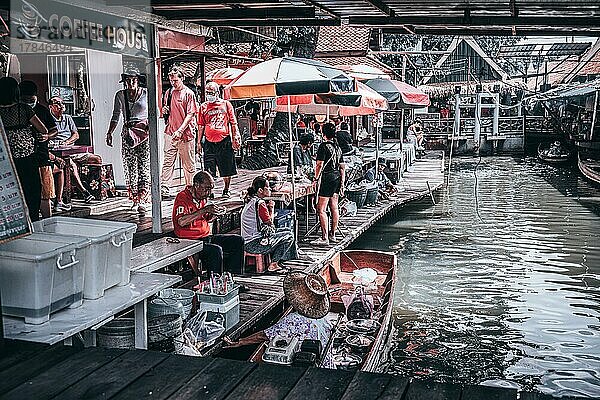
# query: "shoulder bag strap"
127 110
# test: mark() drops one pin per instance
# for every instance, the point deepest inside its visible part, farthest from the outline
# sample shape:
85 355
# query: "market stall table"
94 313
163 252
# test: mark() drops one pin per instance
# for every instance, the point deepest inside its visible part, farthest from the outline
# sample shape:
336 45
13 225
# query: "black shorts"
221 155
330 185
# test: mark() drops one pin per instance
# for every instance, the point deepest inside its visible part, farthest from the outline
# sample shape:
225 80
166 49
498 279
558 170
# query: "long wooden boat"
339 275
589 167
553 155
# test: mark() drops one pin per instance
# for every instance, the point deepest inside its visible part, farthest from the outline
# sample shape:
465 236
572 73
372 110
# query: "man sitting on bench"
191 216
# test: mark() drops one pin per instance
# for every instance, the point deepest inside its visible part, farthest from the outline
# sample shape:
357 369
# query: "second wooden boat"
589 167
556 153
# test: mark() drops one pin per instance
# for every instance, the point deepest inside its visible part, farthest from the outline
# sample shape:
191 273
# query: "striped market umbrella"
289 76
363 101
400 94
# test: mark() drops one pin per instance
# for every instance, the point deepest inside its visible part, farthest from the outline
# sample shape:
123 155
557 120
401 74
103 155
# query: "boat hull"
589 168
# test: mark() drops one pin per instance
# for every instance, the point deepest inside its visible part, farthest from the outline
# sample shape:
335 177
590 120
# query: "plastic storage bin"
108 260
41 274
230 311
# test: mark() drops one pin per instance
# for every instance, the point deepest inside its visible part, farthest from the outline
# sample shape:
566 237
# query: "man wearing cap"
218 135
29 96
309 297
132 103
179 111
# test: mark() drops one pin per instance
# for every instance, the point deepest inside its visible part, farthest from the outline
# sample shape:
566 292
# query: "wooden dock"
264 293
63 372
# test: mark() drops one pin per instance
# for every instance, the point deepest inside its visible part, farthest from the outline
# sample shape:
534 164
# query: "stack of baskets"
372 194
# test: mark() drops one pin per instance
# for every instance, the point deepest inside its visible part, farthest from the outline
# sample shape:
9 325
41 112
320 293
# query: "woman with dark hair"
18 120
330 170
258 229
132 103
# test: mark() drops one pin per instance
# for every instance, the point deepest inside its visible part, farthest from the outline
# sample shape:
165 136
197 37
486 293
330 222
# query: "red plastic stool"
259 261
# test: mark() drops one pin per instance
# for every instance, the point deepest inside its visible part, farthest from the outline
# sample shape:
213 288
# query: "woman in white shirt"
258 229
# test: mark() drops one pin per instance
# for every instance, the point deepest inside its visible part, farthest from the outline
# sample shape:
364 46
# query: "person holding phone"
192 214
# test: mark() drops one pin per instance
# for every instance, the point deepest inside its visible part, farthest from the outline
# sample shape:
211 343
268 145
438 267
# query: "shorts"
330 185
47 180
221 155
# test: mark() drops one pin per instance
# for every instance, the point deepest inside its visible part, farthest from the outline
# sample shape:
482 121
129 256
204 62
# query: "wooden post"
496 121
478 120
456 131
1 327
154 136
402 112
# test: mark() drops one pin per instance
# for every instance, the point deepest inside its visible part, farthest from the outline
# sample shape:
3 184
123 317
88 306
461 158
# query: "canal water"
499 282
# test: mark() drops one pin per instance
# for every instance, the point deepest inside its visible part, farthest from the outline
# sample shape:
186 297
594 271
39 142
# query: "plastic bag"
348 208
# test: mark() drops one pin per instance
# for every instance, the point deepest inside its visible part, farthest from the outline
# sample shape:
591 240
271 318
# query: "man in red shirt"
191 217
218 135
179 108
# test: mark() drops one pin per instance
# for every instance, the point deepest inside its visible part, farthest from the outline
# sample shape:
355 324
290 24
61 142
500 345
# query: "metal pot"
347 361
363 326
360 343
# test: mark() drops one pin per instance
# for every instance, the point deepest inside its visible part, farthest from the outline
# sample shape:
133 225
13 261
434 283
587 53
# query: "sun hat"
307 293
129 72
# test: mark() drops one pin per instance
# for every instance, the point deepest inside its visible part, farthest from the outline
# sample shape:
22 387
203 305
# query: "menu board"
14 218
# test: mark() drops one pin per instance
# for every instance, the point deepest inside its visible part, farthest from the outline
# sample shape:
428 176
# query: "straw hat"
307 293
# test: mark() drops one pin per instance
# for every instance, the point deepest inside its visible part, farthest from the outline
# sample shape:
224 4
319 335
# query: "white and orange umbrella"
289 76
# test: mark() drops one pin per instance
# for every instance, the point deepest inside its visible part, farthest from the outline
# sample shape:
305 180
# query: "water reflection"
510 298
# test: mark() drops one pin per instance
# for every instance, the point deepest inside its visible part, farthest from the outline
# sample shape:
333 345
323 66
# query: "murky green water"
502 286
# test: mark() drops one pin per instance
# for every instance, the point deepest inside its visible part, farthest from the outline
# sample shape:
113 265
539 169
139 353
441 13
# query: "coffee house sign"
50 26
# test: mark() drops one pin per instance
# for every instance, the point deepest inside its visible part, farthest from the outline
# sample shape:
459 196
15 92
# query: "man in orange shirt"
191 217
179 109
218 135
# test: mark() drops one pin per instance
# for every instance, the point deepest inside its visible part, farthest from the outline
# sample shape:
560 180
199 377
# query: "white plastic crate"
108 261
41 274
230 311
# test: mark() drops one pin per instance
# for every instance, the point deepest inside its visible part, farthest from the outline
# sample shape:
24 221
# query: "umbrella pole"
377 133
293 167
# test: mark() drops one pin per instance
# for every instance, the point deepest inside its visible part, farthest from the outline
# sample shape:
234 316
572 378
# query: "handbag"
137 131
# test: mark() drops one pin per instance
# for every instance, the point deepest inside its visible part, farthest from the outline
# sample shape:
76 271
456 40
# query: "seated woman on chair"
258 230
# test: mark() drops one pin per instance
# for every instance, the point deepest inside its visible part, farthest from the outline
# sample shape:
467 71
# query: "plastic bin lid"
96 230
40 246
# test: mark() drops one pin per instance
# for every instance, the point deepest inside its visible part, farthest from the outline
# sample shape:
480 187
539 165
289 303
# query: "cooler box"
41 274
229 311
108 260
218 298
284 218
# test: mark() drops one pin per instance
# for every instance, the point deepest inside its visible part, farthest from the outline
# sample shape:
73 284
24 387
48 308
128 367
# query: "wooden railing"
437 128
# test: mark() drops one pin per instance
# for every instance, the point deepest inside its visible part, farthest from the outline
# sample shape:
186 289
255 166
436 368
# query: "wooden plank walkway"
264 293
59 372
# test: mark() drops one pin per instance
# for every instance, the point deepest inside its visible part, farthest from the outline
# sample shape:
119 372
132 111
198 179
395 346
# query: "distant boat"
340 277
589 167
556 153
